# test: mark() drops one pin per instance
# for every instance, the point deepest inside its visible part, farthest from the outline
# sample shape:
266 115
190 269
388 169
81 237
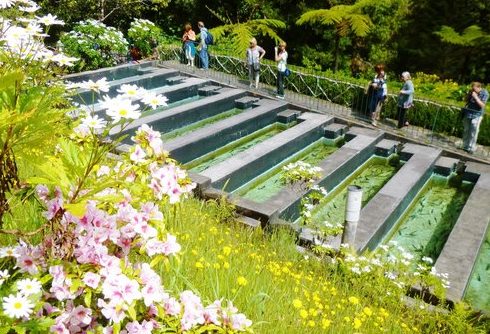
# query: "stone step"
335 168
386 147
147 81
188 113
248 164
216 135
246 102
384 209
335 130
208 90
288 116
461 249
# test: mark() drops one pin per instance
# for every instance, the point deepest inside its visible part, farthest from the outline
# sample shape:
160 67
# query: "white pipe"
352 214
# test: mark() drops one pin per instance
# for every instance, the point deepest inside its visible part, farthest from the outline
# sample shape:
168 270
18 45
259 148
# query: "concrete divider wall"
384 209
462 247
188 87
335 169
182 115
214 136
147 81
178 92
110 73
248 164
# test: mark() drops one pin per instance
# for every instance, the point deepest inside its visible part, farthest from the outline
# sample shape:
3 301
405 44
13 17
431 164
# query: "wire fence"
430 122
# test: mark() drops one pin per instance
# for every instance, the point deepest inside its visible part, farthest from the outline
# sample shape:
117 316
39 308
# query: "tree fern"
240 33
471 36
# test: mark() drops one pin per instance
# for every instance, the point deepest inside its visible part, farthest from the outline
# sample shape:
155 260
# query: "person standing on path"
377 92
472 115
281 57
255 54
405 99
188 39
203 47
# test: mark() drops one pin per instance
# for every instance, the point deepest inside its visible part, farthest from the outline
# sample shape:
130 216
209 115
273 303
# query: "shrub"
96 44
145 35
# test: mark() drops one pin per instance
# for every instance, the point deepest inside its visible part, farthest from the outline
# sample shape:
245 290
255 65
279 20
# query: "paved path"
411 133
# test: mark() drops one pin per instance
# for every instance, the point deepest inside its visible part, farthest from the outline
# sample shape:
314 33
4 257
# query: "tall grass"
283 290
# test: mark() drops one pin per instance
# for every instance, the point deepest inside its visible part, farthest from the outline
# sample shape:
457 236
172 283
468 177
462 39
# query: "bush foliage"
95 44
144 35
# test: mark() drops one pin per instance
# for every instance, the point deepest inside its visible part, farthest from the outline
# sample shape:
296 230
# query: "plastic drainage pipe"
352 214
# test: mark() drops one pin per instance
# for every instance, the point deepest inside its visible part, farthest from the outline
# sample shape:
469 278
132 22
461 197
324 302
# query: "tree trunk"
102 11
336 53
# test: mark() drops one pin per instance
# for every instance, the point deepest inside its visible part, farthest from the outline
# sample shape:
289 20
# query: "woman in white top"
281 57
254 54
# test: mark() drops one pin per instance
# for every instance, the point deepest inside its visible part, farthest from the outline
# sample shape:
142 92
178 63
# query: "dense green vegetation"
93 243
446 38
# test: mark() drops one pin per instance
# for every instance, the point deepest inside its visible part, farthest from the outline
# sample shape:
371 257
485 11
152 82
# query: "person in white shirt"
281 57
255 54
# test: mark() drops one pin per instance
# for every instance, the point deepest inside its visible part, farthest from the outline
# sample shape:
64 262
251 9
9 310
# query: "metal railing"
430 122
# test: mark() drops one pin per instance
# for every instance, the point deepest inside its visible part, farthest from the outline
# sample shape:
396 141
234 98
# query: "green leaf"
88 297
116 328
157 259
77 209
132 312
75 285
10 79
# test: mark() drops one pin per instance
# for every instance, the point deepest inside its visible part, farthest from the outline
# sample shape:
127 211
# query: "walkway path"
411 133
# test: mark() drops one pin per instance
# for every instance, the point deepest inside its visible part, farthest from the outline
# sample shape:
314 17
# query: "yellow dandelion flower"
241 281
367 311
326 323
226 250
216 266
199 265
357 323
354 300
383 312
311 323
303 314
297 303
226 265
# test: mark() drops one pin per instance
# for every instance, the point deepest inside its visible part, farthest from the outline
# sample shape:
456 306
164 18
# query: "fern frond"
313 16
220 17
449 35
360 24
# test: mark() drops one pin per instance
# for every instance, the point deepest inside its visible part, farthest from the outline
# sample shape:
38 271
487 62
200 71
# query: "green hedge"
442 119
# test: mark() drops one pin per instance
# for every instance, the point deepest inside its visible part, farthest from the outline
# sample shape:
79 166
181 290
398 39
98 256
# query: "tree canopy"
447 38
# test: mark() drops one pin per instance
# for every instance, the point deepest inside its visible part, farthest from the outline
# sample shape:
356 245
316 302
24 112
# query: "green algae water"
425 226
478 290
201 164
268 184
371 176
200 124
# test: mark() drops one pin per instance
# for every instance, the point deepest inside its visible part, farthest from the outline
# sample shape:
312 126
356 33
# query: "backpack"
209 40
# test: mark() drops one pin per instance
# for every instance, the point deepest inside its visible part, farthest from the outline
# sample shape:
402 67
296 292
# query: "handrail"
429 119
